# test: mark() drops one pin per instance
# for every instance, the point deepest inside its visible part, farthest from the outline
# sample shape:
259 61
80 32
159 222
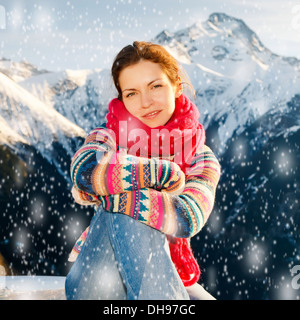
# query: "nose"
146 100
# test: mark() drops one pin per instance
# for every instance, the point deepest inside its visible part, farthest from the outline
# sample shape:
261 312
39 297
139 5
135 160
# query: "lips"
152 114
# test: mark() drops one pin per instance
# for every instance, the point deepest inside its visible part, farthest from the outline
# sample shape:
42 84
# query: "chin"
157 124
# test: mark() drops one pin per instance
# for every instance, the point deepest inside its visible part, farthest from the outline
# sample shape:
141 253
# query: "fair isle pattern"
99 171
145 189
99 186
180 215
116 177
154 209
79 243
96 145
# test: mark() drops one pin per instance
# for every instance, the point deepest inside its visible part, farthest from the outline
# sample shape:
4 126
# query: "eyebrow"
149 84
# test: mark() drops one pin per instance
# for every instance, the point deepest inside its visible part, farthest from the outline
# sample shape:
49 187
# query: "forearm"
97 146
128 173
177 215
156 209
181 215
99 170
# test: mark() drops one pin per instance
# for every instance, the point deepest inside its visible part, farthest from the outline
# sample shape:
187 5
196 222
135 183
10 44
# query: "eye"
131 94
157 86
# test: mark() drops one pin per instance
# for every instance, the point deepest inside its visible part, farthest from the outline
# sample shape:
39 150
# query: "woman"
152 181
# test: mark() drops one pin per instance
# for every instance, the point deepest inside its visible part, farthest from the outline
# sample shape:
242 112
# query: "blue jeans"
123 259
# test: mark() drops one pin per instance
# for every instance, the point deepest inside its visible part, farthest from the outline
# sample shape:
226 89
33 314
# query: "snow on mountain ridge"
82 96
9 136
30 119
236 78
18 71
238 28
46 86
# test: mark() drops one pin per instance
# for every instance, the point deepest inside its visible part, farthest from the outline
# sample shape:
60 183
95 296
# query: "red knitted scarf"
180 137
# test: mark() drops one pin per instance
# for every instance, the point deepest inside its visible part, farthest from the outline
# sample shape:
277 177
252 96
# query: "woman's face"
148 93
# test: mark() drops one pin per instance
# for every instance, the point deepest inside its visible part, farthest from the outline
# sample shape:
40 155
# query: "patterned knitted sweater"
153 191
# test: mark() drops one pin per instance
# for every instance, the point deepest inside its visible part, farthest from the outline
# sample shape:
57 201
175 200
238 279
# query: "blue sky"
78 34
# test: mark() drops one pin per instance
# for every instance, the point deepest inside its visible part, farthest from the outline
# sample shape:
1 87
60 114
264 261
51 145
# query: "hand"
83 198
175 179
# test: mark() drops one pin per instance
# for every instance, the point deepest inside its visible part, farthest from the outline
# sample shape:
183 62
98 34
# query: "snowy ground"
32 288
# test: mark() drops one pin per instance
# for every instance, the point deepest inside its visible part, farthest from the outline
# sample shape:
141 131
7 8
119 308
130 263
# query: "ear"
178 89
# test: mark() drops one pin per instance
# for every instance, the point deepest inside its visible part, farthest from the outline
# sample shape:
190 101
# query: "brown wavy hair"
141 50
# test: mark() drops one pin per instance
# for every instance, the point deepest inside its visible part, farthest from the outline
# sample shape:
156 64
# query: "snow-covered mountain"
82 96
28 120
249 100
19 71
236 78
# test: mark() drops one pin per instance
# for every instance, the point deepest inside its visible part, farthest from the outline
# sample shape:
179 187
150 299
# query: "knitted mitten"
121 172
115 172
